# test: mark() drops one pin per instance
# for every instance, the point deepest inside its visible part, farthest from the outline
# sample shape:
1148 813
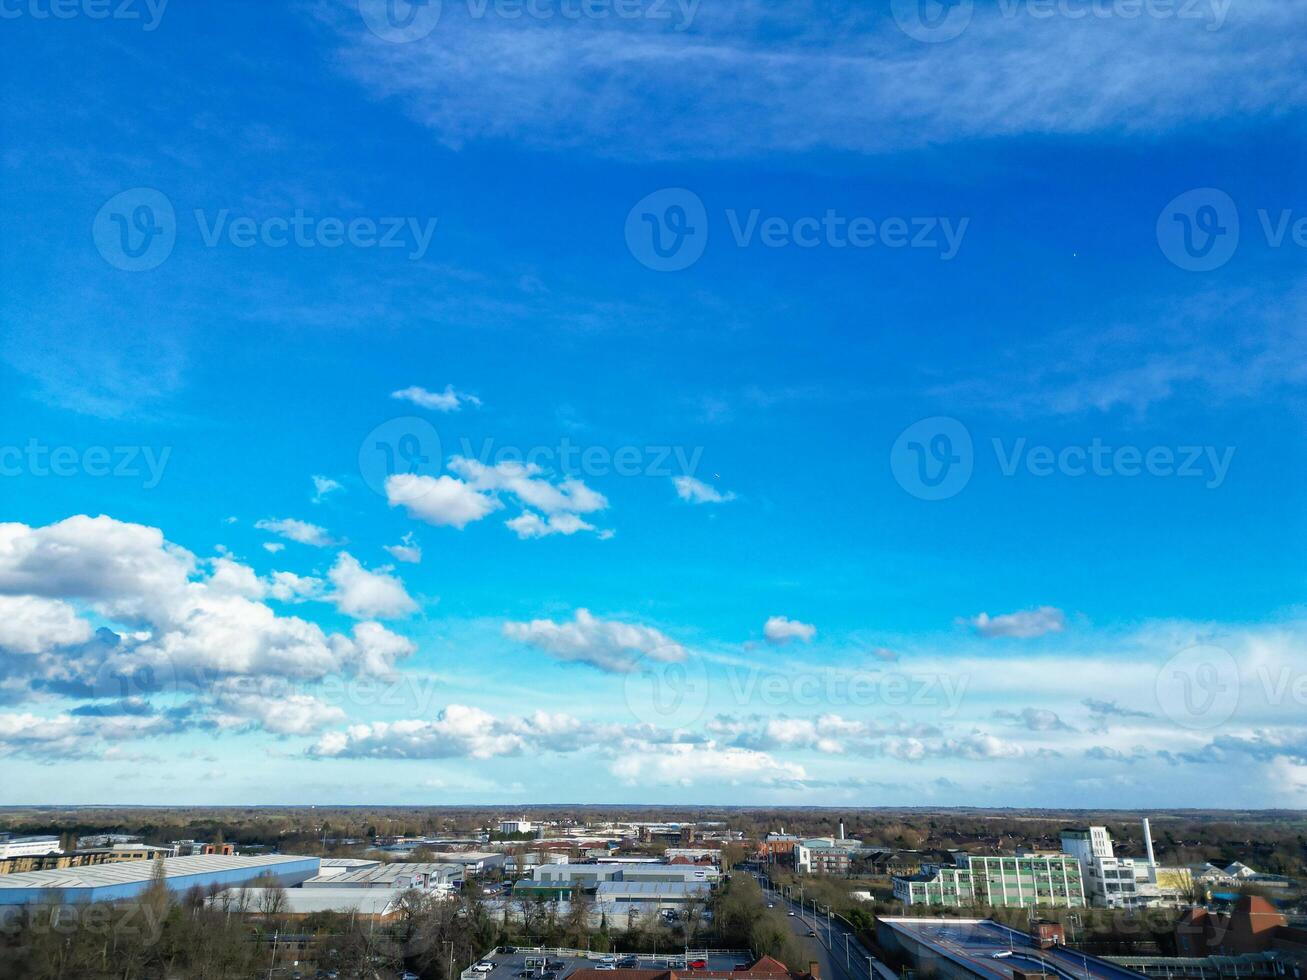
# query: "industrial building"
1026 880
399 876
127 879
378 904
14 847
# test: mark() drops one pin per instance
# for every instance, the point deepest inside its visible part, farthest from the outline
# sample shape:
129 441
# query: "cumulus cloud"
175 626
29 624
439 500
1023 625
367 594
477 490
780 630
448 400
697 492
609 645
299 531
458 731
685 764
406 551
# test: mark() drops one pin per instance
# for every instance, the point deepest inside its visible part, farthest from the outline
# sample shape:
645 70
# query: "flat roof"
387 873
369 901
612 889
972 943
127 872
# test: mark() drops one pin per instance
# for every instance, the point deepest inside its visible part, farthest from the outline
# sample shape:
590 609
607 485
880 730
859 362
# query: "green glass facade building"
1050 880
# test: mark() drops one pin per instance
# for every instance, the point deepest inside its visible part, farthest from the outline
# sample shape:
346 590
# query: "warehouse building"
128 879
399 875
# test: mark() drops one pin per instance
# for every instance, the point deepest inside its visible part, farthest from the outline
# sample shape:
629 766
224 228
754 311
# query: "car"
608 958
525 973
812 934
409 975
484 966
628 963
555 965
789 913
1002 954
696 964
771 905
549 975
606 966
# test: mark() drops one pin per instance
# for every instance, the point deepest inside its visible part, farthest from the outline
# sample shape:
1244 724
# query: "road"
835 948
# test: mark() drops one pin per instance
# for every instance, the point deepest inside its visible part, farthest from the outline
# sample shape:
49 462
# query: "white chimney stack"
1148 844
841 830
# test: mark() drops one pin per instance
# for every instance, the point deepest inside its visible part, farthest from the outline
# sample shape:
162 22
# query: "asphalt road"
835 948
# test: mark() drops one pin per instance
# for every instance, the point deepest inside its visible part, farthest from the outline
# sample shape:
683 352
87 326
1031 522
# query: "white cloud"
448 400
456 501
442 501
698 492
273 547
29 624
1024 625
406 551
322 487
761 78
780 630
685 764
366 595
300 531
607 644
377 650
457 732
531 525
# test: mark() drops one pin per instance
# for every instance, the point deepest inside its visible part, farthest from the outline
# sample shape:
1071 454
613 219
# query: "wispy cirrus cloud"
754 77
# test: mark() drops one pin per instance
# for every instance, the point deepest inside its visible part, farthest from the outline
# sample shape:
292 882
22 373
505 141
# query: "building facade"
1023 881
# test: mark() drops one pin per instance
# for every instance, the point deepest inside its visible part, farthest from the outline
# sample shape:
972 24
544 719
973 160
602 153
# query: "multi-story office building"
1025 880
1110 881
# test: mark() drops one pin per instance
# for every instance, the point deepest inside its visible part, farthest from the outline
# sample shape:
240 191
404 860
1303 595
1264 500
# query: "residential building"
1253 926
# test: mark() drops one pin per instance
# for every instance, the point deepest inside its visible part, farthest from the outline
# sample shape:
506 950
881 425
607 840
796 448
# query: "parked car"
696 965
812 934
606 966
1002 954
628 963
608 958
555 965
485 966
789 913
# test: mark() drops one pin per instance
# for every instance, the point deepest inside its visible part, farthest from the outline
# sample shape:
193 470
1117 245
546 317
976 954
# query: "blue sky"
919 458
